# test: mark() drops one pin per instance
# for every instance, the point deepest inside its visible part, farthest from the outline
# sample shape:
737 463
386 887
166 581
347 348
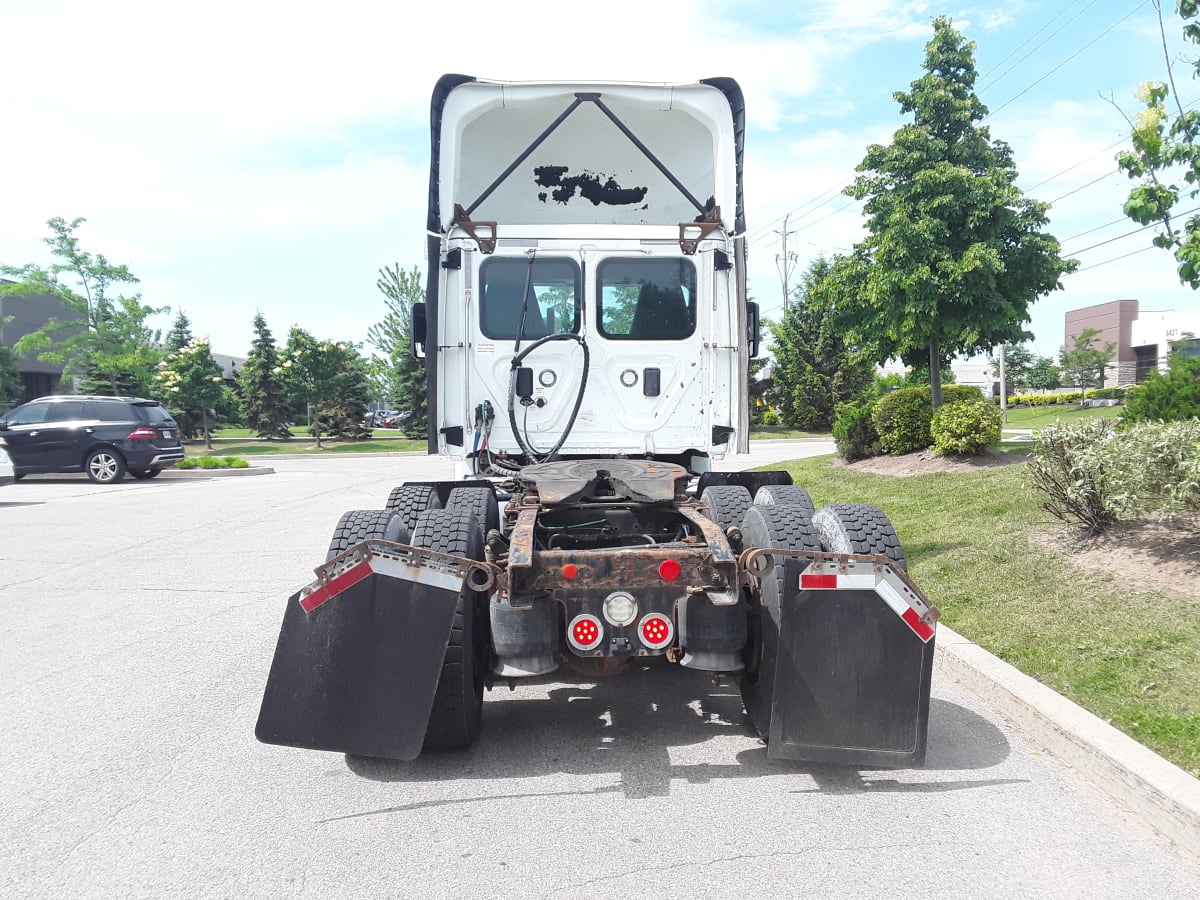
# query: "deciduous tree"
955 252
107 339
329 375
191 383
1083 365
1164 136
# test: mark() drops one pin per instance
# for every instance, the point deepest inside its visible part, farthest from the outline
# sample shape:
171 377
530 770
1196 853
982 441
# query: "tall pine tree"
814 368
263 399
398 374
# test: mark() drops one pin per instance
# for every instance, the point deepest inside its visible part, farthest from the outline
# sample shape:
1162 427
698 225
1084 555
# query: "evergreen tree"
955 252
815 370
399 375
180 334
263 399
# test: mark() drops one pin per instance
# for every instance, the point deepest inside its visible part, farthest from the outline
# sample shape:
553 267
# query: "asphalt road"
139 624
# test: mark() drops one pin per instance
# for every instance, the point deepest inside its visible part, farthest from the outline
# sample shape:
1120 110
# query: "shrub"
964 427
902 417
1069 466
1108 394
1173 397
902 420
770 417
854 431
212 462
1158 466
1093 474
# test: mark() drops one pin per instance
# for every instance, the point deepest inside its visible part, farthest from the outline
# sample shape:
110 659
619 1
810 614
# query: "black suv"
102 436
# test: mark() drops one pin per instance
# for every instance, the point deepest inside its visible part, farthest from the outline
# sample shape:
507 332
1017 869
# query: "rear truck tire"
410 500
151 472
356 526
727 503
785 494
858 528
786 528
456 717
479 500
104 466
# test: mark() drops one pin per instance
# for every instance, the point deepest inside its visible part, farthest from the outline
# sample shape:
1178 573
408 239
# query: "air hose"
512 393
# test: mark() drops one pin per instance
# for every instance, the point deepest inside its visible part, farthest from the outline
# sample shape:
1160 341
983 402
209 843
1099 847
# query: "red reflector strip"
818 581
923 631
343 582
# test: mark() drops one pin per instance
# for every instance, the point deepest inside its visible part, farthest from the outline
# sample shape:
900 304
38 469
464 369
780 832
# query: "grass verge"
780 433
1040 416
304 447
1130 657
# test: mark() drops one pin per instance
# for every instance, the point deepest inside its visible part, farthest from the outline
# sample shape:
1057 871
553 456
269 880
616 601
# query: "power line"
1131 233
1114 259
1088 185
1065 61
1038 47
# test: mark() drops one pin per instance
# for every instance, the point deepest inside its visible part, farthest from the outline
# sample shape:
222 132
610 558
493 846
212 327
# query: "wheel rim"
103 467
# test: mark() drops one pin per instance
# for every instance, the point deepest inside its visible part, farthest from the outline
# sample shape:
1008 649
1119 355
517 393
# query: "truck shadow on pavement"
648 728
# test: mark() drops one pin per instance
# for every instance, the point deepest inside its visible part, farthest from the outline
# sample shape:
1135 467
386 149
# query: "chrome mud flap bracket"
360 651
854 660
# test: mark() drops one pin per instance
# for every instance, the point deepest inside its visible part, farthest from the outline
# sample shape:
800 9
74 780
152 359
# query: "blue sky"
262 156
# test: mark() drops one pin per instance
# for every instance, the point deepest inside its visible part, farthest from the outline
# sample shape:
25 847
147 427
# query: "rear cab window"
552 299
646 299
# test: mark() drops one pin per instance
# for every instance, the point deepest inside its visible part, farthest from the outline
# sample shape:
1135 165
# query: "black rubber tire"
479 500
858 528
104 465
727 503
356 526
785 495
152 472
410 500
785 528
456 717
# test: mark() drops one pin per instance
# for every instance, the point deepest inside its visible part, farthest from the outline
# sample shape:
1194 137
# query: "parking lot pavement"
140 620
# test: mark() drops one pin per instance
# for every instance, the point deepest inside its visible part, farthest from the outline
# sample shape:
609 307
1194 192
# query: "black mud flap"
852 676
357 674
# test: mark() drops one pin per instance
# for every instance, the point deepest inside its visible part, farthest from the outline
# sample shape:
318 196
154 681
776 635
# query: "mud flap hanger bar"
690 234
401 561
854 571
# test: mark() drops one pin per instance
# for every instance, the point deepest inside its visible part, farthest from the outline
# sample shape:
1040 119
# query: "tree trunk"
935 373
204 425
317 428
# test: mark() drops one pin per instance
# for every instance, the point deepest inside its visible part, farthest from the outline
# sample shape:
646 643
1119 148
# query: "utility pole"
785 262
1003 389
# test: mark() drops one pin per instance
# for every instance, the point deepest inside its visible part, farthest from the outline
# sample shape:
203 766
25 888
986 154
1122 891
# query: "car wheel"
104 466
145 473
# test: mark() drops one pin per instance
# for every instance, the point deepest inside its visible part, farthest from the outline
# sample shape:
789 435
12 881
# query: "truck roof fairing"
603 153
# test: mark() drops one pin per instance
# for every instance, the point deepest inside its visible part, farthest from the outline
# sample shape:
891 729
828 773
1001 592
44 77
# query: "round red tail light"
668 570
656 631
585 633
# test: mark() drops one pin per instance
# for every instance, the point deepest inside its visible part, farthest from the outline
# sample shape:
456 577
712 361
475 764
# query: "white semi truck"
586 335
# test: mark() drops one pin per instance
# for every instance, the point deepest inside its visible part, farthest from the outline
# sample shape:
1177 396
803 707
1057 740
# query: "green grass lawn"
1131 657
780 433
303 446
1037 416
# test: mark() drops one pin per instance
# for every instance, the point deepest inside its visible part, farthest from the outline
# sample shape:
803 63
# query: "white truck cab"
590 299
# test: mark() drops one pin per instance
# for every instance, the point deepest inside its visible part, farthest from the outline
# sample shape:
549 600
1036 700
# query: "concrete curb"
1162 794
216 473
